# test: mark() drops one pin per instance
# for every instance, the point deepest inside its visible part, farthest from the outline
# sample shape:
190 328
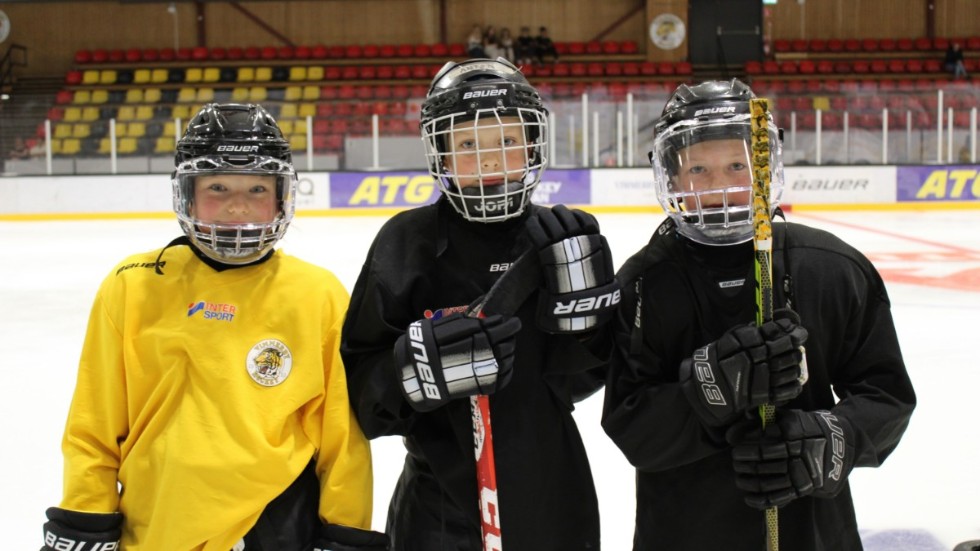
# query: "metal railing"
593 130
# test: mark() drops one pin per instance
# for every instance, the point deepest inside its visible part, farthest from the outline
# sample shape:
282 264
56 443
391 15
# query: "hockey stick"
504 297
762 241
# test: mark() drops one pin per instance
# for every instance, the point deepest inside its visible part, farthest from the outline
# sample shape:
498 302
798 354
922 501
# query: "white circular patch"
269 362
667 31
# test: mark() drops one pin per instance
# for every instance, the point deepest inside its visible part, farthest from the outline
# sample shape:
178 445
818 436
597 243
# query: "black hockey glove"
454 357
74 530
747 367
581 290
334 537
801 453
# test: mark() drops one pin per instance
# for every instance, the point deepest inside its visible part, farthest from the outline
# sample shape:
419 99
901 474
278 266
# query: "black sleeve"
370 331
868 372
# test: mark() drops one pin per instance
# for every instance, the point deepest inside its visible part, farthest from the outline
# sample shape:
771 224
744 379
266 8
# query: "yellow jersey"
202 395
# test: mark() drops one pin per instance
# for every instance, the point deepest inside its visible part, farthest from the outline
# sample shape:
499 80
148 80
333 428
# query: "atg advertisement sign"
938 184
412 189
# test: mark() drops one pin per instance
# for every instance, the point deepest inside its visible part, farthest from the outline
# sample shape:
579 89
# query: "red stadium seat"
896 65
788 67
852 45
817 45
302 52
83 56
133 55
575 48
218 53
940 43
835 45
782 45
593 47
923 44
887 45
869 45
933 66
629 47
353 51
319 52
422 50
753 67
337 52
904 45
199 53
117 56
613 69
440 50
798 45
684 68
825 67
100 56
610 47
457 50
371 50
807 67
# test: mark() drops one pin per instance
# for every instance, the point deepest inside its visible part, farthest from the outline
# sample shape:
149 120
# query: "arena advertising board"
412 189
836 185
623 187
930 184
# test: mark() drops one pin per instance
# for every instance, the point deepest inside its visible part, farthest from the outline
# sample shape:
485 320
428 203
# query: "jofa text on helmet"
238 148
714 110
485 93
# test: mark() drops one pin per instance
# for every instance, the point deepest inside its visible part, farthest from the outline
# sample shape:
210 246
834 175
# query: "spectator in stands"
524 50
474 43
506 45
20 149
544 48
491 42
954 61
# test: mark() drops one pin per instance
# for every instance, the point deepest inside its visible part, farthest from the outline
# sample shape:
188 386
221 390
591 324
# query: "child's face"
235 199
491 151
716 165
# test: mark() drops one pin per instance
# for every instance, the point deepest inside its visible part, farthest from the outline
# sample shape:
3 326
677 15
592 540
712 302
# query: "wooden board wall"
53 31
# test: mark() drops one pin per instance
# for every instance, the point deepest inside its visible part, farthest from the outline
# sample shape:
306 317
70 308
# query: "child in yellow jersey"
211 409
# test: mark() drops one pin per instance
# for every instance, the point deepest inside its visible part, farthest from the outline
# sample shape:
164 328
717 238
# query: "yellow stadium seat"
263 74
186 95
144 112
257 94
246 74
288 111
107 76
127 146
307 110
239 95
134 95
164 144
81 130
141 76
311 93
55 146
122 129
63 130
90 77
194 74
71 146
136 129
182 112
297 142
293 93
212 74
90 114
205 95
286 126
100 96
72 114
158 76
297 73
126 113
822 103
151 95
168 130
81 97
105 146
314 73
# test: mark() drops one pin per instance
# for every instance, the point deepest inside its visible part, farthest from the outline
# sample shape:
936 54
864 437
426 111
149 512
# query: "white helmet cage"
720 213
233 139
485 94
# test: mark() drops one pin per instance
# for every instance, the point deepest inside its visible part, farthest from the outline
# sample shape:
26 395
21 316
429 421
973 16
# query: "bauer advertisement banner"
412 189
834 185
938 183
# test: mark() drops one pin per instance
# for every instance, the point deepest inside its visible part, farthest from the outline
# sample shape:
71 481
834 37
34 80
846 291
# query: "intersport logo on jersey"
212 310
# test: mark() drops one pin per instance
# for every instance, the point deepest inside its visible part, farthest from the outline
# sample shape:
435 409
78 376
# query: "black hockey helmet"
712 110
236 139
482 90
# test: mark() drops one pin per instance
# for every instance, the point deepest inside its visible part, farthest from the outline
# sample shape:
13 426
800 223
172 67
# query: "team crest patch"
269 362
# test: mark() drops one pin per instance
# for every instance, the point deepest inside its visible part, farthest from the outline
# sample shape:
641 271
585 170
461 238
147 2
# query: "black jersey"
430 262
679 295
